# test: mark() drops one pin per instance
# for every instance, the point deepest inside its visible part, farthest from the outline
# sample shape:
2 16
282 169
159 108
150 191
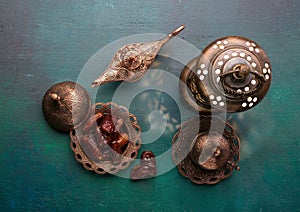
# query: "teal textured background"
44 42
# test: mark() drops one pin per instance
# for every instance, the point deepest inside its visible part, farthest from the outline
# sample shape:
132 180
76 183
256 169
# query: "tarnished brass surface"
131 62
205 156
66 105
97 155
210 151
232 74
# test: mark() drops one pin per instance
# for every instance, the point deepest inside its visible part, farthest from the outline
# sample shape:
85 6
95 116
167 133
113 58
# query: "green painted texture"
44 42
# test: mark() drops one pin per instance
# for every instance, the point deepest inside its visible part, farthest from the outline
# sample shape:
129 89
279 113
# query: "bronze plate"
83 153
189 144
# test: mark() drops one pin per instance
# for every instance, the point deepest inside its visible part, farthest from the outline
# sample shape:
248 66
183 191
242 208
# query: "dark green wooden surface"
44 42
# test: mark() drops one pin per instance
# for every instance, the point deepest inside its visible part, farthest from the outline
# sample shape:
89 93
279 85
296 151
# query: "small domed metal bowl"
94 152
66 105
206 151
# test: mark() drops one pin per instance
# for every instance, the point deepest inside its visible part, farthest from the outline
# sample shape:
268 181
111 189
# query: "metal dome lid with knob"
232 74
66 105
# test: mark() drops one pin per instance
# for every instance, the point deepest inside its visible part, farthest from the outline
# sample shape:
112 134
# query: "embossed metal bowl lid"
108 141
232 74
206 150
210 151
66 105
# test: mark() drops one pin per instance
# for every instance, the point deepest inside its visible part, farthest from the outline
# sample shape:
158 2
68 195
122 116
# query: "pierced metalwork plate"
85 151
208 157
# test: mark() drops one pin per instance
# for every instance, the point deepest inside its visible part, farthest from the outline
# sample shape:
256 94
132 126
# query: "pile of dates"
104 138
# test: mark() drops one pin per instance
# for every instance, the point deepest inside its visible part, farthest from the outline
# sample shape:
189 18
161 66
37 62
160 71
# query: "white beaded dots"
220 63
252 47
220 44
234 54
202 72
267 71
250 102
216 100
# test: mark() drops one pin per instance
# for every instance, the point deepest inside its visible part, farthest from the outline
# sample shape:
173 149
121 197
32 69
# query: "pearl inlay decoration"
253 82
267 71
266 65
202 72
250 100
267 77
217 71
220 44
217 100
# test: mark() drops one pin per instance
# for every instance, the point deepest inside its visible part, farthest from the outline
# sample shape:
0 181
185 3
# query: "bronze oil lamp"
131 62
